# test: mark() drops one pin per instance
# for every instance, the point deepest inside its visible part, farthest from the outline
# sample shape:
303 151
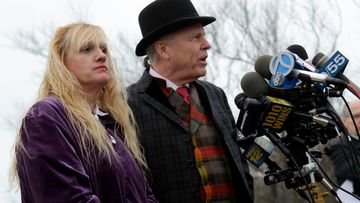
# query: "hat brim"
168 28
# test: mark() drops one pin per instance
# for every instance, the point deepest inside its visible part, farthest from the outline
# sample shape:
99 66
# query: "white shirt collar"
169 83
97 112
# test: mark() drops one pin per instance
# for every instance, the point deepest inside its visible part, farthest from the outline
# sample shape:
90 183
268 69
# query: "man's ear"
162 49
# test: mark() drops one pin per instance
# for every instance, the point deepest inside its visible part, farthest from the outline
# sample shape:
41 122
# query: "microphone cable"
353 154
331 182
277 141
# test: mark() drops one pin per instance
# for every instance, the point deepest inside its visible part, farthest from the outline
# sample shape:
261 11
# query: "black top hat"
162 17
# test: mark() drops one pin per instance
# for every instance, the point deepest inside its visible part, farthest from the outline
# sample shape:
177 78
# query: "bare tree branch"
245 30
357 3
130 66
34 41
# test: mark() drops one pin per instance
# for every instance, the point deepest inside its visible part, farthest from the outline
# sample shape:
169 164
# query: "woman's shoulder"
49 106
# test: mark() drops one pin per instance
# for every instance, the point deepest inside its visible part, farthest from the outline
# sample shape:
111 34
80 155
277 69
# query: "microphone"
280 67
276 114
261 114
256 149
262 62
286 70
269 112
250 106
299 51
320 60
276 76
332 67
249 115
321 120
262 66
254 85
308 76
259 150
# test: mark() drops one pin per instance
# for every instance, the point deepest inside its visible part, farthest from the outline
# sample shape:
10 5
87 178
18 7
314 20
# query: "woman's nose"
100 55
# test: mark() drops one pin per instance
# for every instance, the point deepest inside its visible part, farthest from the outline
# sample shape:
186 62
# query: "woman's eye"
85 49
104 50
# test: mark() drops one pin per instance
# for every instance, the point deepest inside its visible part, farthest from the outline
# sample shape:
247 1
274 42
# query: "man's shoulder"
132 88
140 85
133 93
211 89
208 85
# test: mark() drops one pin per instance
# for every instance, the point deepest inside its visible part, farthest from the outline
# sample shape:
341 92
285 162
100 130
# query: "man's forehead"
191 28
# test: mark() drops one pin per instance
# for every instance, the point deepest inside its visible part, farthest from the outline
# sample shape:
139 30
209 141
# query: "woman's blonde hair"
59 81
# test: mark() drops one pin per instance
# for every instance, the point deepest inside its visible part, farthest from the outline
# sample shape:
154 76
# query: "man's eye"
196 37
356 116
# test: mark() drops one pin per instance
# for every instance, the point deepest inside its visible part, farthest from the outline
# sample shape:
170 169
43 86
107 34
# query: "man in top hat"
185 125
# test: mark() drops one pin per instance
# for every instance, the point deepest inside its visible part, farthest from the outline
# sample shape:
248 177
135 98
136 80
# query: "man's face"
355 110
187 51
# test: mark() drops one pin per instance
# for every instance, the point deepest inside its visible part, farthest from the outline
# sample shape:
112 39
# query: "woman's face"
90 66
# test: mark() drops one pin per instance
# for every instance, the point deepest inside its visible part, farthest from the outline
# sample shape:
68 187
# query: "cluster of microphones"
284 103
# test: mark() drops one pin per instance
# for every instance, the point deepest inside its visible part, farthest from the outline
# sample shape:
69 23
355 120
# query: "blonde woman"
77 143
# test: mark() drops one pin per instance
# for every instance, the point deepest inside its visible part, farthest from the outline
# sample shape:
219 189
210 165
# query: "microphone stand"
314 184
298 179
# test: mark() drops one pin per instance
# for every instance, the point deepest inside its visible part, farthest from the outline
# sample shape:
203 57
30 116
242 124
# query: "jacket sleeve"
150 195
343 162
49 166
249 178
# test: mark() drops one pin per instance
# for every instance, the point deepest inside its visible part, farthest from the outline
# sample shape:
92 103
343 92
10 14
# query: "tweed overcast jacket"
168 147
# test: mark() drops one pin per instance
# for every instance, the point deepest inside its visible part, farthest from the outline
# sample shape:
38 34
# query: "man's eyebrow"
355 114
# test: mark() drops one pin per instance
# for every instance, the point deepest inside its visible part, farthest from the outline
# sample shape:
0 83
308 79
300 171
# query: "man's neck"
169 83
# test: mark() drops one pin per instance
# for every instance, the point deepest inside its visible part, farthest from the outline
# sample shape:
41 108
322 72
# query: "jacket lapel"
224 127
150 92
210 108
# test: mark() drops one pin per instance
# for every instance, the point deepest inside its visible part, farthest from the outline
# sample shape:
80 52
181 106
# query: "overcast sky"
21 71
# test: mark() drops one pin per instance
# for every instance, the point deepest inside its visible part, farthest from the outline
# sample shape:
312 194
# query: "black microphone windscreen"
254 85
298 50
319 60
262 66
239 100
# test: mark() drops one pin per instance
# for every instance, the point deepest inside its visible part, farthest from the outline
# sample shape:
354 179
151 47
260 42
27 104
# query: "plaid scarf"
209 154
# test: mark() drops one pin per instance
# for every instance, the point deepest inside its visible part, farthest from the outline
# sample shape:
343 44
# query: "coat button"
187 139
190 163
196 191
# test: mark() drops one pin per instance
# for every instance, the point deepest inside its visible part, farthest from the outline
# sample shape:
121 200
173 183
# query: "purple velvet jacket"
53 170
